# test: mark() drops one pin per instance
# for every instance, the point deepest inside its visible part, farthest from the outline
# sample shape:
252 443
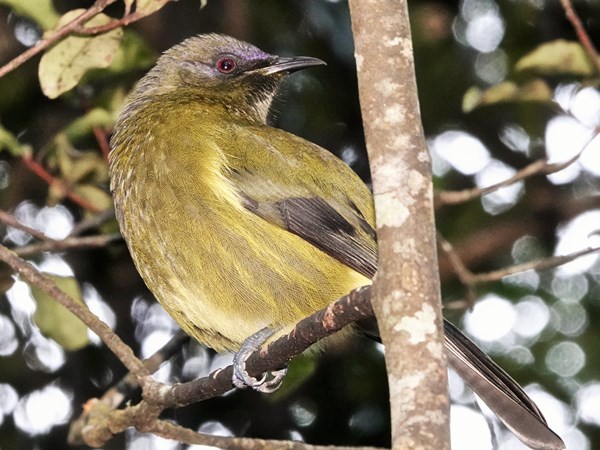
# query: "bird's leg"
241 378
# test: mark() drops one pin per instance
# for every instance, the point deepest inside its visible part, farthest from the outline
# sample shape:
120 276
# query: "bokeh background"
542 327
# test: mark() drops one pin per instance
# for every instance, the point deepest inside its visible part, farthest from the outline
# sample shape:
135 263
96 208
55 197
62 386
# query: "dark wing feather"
316 221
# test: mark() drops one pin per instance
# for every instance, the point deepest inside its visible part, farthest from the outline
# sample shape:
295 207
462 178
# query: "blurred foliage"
503 96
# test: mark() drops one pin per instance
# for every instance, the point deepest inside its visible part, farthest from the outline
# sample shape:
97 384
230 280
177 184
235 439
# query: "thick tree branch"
407 295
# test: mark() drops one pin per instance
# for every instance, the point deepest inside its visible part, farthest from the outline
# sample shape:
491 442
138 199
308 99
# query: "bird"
238 227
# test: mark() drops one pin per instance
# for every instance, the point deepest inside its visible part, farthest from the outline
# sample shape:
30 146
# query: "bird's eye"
226 65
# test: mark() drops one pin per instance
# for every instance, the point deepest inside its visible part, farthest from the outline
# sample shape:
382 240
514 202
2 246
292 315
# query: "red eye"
226 65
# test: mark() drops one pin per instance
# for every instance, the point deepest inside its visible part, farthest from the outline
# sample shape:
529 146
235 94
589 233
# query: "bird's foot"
269 382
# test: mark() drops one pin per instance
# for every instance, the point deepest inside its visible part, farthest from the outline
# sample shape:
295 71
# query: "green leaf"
64 64
300 369
9 142
82 126
57 322
95 195
40 11
559 57
133 54
534 91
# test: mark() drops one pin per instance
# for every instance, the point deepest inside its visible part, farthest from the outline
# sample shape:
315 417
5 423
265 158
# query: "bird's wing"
330 218
334 218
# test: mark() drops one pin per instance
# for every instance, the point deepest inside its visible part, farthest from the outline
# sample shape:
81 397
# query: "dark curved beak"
283 64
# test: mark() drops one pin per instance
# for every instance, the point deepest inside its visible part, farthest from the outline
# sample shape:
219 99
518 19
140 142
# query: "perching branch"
99 422
406 286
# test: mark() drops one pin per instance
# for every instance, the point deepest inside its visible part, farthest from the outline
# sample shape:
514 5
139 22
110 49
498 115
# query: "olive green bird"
236 226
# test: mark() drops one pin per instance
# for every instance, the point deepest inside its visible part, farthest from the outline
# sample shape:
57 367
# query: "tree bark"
407 295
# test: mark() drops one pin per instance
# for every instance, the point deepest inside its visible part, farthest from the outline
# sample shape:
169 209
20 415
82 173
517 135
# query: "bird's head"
221 69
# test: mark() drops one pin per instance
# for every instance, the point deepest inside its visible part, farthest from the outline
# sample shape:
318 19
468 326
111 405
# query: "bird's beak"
281 64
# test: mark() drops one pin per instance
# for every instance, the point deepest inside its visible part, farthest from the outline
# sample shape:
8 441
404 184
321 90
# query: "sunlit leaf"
559 57
40 11
534 91
64 64
57 322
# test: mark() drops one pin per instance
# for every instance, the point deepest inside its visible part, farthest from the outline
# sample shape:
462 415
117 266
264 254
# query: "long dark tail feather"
499 391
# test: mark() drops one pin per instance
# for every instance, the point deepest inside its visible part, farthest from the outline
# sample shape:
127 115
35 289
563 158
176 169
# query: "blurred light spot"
573 288
469 429
525 249
100 308
472 9
150 317
8 337
515 138
4 174
8 398
215 428
491 67
590 158
26 31
198 364
154 341
576 439
143 441
56 265
485 32
295 435
564 94
55 222
349 155
491 319
22 305
43 354
587 399
528 279
585 106
367 421
39 411
303 413
564 138
577 235
570 318
499 200
565 359
462 151
533 315
25 213
521 355
457 389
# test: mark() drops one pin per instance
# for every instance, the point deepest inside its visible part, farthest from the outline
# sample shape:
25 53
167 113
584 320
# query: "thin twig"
12 221
537 264
43 44
92 222
47 285
582 34
102 139
68 243
541 167
41 172
462 272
